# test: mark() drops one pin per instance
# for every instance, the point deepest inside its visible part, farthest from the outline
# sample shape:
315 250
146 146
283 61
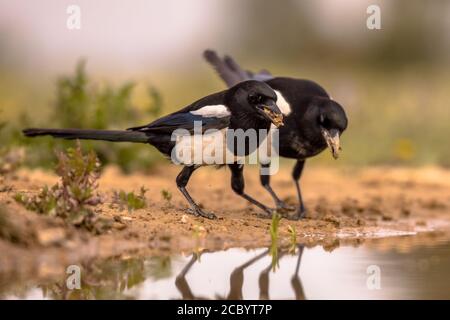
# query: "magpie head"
257 99
329 120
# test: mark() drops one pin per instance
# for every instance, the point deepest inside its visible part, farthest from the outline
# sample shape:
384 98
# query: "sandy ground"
345 206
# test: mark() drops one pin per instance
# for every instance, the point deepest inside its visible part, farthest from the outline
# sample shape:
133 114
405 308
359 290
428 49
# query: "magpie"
247 105
313 121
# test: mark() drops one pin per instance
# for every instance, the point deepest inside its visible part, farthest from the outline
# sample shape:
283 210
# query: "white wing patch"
212 148
217 111
283 104
209 148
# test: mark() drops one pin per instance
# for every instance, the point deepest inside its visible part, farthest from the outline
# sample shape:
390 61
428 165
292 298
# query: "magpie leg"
238 184
263 280
295 280
182 181
237 277
181 282
296 174
265 181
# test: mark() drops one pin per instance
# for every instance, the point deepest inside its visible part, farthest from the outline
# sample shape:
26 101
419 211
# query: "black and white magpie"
249 105
313 120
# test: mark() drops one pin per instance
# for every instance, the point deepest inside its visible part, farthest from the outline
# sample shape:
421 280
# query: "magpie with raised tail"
313 121
248 105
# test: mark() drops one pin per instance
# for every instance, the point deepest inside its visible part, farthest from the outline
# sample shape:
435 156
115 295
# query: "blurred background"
133 61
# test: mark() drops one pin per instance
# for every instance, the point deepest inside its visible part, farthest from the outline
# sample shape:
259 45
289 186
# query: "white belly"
211 148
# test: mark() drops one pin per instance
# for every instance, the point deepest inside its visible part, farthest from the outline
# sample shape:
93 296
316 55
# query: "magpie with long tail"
249 105
313 121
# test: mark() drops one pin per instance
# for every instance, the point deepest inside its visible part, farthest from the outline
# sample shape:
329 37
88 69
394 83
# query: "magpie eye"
321 119
325 122
255 99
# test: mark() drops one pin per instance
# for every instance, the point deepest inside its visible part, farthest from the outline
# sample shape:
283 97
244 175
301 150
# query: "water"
363 272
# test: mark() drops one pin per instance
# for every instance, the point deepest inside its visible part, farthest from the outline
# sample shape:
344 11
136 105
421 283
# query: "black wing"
183 120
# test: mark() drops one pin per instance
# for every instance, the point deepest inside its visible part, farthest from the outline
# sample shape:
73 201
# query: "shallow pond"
362 272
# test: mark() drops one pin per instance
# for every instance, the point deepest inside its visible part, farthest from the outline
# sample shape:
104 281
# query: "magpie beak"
271 112
332 139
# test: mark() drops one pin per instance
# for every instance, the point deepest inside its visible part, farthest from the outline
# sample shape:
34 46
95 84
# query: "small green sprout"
166 194
130 200
292 239
274 239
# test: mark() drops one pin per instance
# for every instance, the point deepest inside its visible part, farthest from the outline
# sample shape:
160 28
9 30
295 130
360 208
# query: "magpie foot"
264 216
200 213
267 213
283 206
299 215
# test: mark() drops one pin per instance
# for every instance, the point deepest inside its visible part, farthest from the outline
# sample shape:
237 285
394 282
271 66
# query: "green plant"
292 239
130 200
82 103
44 202
166 195
75 195
276 217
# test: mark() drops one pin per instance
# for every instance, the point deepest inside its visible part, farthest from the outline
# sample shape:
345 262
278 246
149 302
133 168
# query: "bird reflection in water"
237 278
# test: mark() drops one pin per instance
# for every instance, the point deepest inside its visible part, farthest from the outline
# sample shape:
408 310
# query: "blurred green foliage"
392 82
395 118
166 195
80 103
129 200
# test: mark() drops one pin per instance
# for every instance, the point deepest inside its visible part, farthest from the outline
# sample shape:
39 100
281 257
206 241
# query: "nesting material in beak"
276 118
333 141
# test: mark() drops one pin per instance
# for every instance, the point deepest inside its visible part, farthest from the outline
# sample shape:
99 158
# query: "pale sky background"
128 39
127 36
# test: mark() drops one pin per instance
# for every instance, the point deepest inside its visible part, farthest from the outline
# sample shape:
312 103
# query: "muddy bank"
345 206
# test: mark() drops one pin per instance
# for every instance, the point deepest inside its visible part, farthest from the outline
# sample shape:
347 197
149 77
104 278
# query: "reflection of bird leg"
237 277
264 280
181 283
295 280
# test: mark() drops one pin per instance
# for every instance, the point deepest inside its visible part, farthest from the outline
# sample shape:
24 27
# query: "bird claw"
265 215
283 206
268 213
201 213
299 215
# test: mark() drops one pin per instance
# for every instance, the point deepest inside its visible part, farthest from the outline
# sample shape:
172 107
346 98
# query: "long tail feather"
225 71
88 134
234 66
230 71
